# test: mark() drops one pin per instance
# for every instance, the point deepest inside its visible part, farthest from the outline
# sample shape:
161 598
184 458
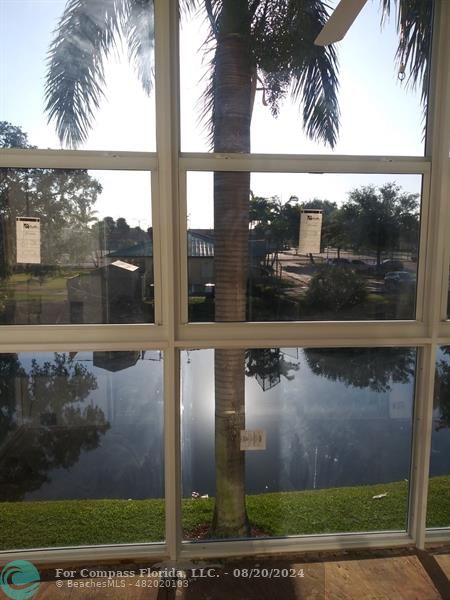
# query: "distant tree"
381 219
326 206
12 136
336 233
122 226
260 212
117 234
272 219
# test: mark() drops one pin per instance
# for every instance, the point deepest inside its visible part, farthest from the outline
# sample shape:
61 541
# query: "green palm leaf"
139 31
86 34
414 25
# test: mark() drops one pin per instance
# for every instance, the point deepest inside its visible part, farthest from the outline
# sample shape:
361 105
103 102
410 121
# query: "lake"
90 425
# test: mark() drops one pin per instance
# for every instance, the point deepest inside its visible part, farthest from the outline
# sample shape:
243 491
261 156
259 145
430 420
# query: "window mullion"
167 133
420 463
435 278
284 163
77 159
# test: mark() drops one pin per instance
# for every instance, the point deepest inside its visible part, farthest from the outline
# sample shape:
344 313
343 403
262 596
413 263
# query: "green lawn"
23 287
86 522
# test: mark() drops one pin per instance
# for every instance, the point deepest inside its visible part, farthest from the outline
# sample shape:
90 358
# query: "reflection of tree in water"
442 390
42 426
267 365
373 368
10 369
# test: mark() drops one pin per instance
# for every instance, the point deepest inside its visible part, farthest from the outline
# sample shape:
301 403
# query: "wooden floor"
418 576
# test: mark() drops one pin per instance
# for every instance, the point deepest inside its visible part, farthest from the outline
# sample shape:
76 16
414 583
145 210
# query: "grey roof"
199 246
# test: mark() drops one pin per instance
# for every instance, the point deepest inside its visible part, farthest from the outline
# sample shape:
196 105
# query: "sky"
378 116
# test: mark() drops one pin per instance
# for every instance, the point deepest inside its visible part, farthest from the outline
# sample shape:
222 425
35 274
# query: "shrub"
335 288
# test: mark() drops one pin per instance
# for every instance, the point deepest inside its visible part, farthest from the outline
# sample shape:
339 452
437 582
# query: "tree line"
372 219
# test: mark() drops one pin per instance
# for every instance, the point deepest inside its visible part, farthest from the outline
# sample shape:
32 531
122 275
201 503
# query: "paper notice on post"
253 440
310 231
28 240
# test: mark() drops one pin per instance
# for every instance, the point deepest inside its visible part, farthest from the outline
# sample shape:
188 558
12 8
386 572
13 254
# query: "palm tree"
266 44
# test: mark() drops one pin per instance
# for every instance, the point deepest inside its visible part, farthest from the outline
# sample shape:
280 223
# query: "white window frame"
172 333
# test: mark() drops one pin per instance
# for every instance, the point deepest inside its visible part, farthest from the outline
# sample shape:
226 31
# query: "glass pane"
124 118
286 246
296 441
378 113
72 250
81 449
439 487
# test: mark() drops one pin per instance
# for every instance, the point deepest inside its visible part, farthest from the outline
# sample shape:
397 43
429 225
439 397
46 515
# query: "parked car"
391 264
359 265
386 266
397 281
339 262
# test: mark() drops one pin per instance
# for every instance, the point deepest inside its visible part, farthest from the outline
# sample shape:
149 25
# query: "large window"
222 304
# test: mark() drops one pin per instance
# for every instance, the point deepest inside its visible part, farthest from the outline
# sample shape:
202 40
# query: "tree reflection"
42 424
442 390
373 368
10 370
267 365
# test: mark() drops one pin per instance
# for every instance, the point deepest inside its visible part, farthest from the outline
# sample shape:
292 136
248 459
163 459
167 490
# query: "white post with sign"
28 240
310 231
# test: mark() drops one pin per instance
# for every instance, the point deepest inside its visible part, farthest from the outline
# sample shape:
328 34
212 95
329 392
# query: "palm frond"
316 79
188 7
414 25
206 103
139 31
86 33
283 43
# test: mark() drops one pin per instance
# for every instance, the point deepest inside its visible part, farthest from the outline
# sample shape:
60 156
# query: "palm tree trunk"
230 515
231 122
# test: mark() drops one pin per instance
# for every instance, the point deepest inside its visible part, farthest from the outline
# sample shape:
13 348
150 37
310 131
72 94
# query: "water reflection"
45 424
90 425
362 368
438 514
442 390
440 441
267 365
332 418
81 425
